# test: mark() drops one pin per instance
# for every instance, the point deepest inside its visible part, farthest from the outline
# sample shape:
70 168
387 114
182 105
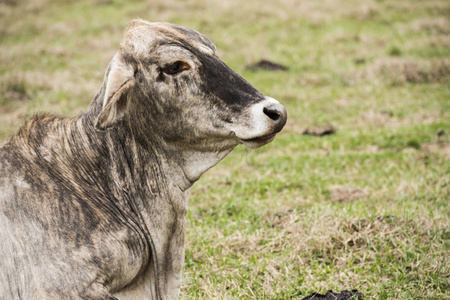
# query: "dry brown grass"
441 148
442 41
332 240
434 26
328 233
404 70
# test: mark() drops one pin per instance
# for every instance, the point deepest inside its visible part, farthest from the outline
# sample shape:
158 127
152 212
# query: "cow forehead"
141 37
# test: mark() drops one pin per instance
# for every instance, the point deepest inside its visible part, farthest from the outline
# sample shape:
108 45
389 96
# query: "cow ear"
119 82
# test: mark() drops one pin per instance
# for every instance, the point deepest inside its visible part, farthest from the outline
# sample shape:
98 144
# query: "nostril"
272 113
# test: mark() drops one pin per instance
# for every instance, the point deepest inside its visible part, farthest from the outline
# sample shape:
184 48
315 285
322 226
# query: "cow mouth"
259 141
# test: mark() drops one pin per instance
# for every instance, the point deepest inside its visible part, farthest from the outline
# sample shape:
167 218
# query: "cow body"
94 206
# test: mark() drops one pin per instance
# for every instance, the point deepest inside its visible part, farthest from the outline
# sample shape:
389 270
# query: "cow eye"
176 67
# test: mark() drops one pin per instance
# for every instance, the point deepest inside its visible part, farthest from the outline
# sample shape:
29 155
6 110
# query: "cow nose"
277 113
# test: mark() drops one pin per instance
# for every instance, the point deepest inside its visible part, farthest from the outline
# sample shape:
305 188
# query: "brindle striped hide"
94 206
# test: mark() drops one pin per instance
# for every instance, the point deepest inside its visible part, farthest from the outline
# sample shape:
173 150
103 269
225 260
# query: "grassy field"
365 208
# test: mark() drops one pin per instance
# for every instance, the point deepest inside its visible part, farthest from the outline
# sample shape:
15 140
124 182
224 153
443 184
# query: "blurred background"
353 193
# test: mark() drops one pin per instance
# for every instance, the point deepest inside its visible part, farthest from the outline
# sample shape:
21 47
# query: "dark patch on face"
219 80
222 83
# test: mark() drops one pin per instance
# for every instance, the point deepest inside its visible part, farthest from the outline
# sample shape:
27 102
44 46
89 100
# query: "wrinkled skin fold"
94 206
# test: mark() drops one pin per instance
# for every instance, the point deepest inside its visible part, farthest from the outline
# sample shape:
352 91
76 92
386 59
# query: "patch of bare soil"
320 130
330 295
266 65
347 194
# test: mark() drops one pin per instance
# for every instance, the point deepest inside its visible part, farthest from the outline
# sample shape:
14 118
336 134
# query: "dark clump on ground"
266 65
320 130
330 295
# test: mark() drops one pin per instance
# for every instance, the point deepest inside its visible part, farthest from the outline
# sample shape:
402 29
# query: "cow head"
170 80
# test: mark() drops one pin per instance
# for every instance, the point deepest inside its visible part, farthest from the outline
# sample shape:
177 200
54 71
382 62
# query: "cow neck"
130 169
136 165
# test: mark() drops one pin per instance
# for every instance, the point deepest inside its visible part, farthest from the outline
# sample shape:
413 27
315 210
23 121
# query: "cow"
94 206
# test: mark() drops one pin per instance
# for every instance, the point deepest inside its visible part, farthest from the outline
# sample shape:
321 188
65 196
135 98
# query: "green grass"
266 223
